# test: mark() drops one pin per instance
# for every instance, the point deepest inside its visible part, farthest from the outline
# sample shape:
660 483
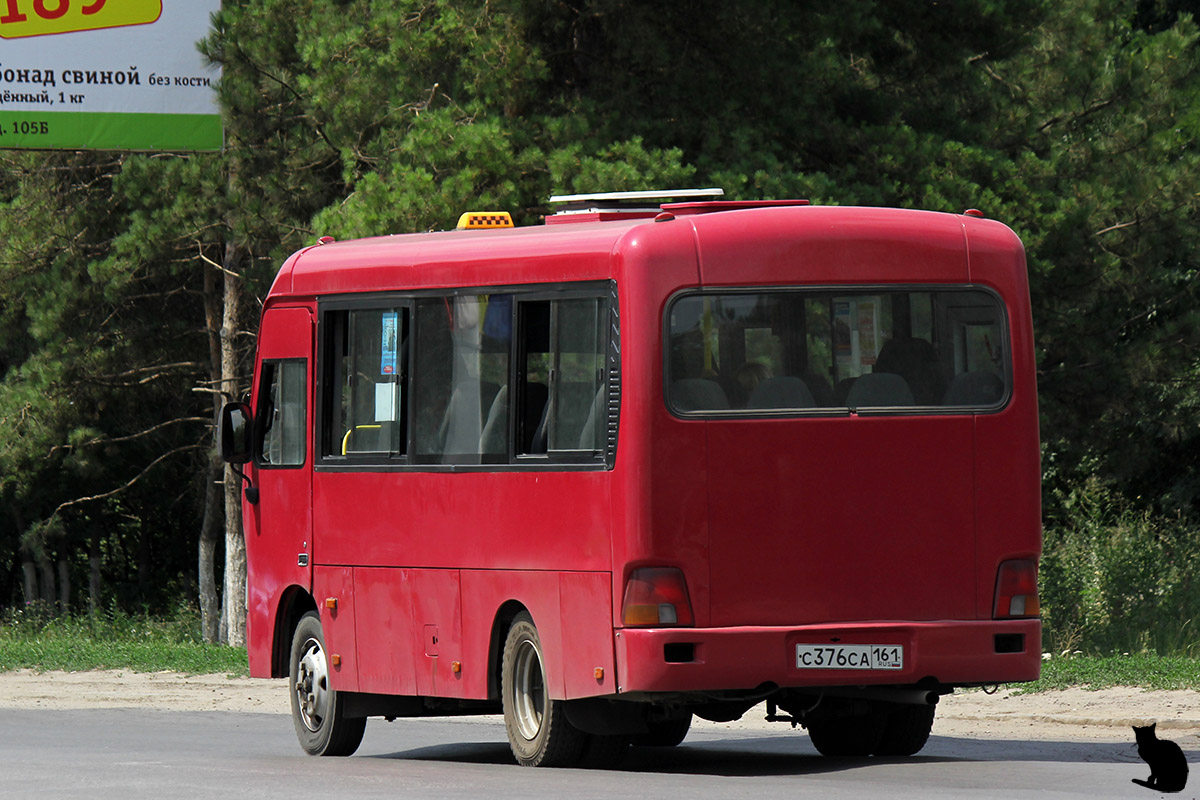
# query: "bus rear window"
792 351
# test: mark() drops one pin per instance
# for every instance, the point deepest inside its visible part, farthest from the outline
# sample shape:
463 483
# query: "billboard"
107 75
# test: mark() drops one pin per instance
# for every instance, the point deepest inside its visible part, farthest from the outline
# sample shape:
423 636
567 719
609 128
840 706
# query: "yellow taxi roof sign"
481 220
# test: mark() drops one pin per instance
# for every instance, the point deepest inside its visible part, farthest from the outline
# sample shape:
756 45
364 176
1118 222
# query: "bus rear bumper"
952 653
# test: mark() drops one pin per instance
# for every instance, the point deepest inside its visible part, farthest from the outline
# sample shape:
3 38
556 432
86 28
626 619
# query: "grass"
1144 670
113 640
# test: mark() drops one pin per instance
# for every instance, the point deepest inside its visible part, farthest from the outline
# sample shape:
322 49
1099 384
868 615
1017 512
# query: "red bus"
645 462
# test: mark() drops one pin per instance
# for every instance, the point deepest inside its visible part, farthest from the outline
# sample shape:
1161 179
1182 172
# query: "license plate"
849 656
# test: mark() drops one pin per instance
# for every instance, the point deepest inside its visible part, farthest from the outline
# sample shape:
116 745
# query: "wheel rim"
312 685
529 690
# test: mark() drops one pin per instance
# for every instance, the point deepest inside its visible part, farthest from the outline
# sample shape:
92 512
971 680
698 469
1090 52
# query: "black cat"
1168 767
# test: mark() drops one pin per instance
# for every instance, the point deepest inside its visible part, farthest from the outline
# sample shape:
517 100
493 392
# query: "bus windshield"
807 351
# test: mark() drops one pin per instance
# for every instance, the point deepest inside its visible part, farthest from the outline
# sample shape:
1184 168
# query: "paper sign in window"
388 344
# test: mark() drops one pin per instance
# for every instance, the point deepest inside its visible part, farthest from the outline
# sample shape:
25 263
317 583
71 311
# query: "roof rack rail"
610 206
602 201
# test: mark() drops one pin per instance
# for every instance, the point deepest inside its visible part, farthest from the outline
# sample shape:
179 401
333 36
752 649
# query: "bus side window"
367 351
461 378
281 413
533 399
562 399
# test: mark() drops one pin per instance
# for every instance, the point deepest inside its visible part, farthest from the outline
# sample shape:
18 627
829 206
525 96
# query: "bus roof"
410 260
535 253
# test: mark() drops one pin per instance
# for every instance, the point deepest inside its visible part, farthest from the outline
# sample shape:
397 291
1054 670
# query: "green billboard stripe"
52 130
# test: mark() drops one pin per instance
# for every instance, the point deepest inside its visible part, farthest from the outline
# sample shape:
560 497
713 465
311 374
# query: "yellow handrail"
346 438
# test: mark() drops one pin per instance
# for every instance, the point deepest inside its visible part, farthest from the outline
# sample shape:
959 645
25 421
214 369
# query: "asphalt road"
123 754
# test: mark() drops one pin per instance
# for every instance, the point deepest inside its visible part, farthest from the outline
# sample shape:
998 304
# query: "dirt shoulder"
1069 714
164 691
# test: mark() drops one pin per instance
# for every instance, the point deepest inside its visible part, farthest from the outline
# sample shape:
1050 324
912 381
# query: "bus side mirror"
236 442
234 434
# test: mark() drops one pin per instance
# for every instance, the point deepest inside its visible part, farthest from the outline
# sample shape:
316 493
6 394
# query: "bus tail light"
656 596
1016 590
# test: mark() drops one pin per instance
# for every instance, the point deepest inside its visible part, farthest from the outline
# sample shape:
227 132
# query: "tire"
907 730
665 732
318 711
538 731
854 736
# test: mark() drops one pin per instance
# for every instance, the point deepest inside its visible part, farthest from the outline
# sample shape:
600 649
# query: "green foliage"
1143 670
1116 578
428 109
36 638
1105 201
95 396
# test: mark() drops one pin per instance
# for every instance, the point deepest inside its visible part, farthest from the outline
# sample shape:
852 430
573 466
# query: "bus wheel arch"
539 732
294 603
500 626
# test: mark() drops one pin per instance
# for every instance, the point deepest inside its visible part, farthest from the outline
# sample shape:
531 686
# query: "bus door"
279 546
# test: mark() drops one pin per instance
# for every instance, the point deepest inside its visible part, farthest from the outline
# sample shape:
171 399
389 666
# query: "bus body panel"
452 520
749 657
484 593
336 603
842 519
586 622
829 245
455 259
905 517
652 263
391 655
1008 480
437 621
278 528
409 631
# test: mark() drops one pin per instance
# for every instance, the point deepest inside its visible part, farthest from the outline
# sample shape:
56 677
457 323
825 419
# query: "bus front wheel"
538 730
318 712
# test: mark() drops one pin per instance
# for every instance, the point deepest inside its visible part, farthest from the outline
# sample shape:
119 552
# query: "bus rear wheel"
318 712
668 732
886 730
907 730
855 735
538 730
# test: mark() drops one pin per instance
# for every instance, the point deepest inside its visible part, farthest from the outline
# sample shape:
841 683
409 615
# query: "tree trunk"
28 568
210 599
234 606
31 583
64 587
94 562
46 568
144 567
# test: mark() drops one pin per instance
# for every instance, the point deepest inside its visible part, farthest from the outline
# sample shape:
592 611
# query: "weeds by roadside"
113 640
1116 579
1144 670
